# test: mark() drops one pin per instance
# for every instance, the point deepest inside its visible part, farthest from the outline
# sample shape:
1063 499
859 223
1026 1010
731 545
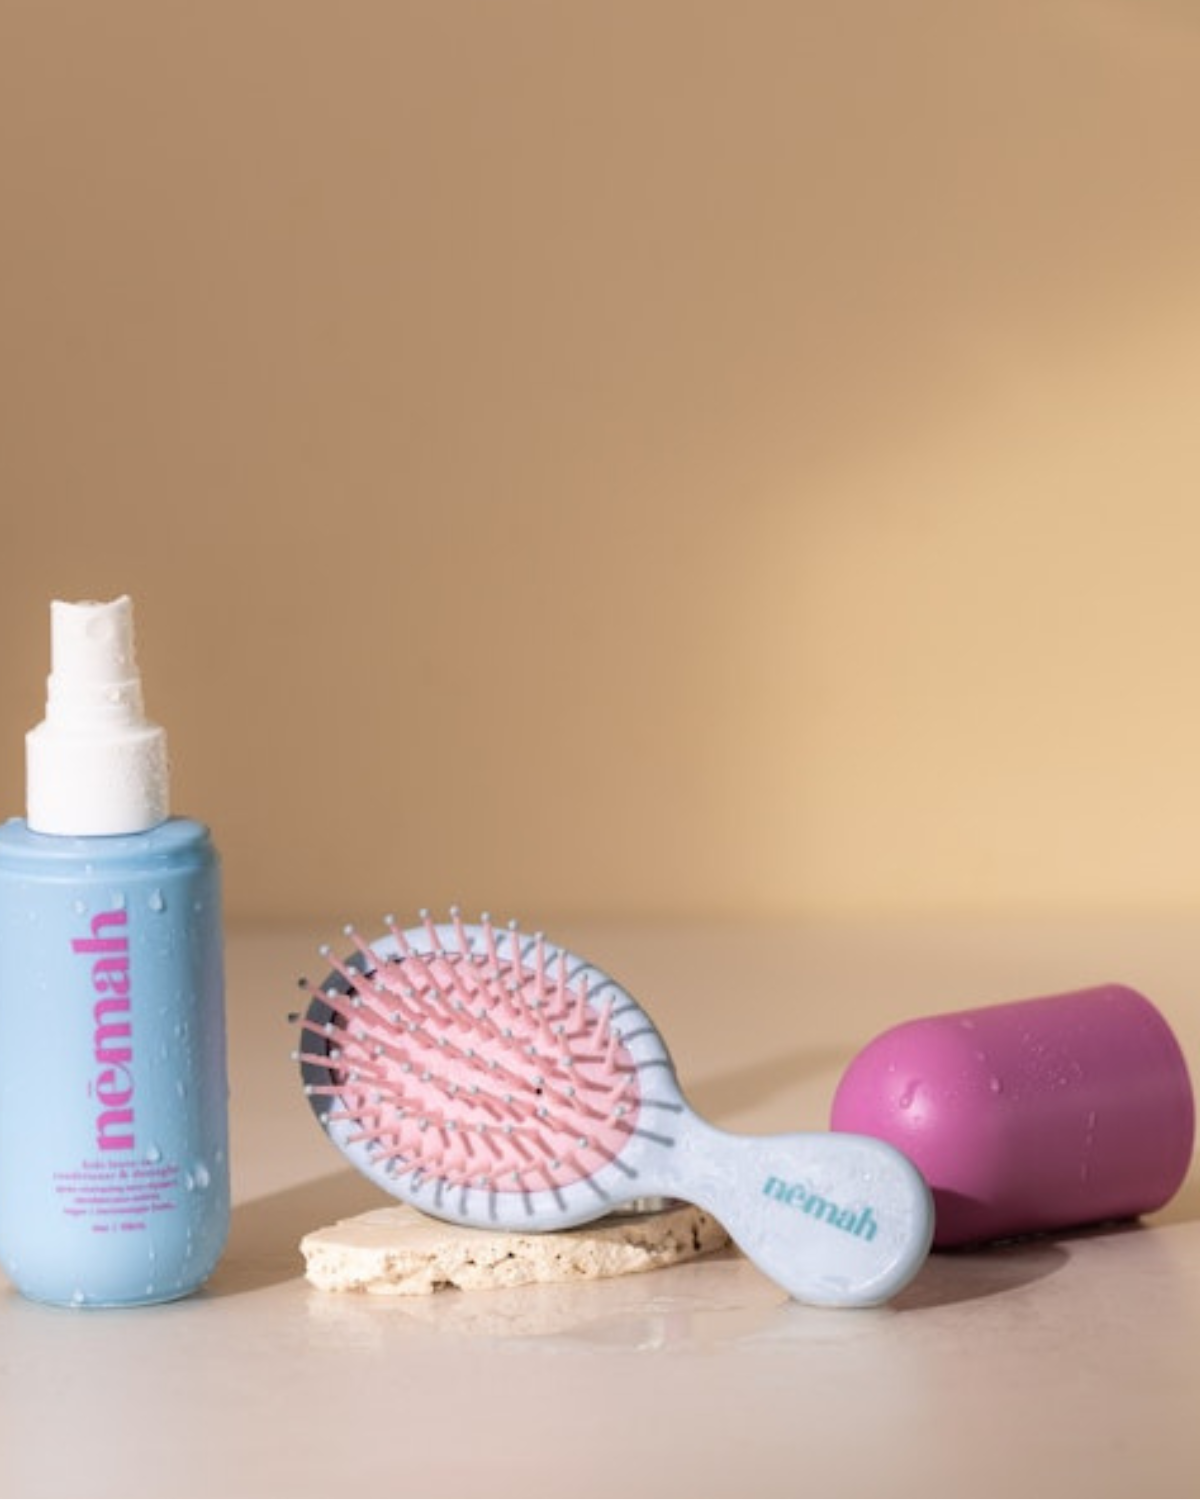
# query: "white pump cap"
95 764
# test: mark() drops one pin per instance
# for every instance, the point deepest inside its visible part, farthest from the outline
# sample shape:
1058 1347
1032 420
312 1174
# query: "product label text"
796 1195
112 1086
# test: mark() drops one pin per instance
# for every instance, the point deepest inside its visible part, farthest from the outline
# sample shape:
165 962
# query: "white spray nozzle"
95 764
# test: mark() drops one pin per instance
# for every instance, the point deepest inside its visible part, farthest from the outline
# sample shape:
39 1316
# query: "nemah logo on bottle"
112 1034
816 1206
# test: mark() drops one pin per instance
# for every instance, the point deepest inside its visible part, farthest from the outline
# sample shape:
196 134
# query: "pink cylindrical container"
1030 1116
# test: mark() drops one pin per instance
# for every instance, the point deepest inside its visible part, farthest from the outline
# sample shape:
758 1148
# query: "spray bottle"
114 1169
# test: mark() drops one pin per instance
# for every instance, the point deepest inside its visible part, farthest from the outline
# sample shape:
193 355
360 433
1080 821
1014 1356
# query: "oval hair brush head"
492 1078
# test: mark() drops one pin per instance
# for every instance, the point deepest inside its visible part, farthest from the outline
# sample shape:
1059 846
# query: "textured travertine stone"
397 1251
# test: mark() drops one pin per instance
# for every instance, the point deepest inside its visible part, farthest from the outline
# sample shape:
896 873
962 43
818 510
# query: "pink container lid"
1030 1116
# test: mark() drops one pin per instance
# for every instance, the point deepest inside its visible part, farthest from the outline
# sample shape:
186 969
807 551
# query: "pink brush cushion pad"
1031 1116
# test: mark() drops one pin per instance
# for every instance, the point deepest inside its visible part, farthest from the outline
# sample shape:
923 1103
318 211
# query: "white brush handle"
836 1219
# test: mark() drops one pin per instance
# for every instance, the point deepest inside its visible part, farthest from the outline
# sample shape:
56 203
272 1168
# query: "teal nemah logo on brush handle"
796 1195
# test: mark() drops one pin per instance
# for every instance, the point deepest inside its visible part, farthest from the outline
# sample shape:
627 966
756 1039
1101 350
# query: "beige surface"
688 455
692 456
396 1251
1068 1366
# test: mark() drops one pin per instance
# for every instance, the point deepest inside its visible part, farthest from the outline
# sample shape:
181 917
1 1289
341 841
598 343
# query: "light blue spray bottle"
114 1150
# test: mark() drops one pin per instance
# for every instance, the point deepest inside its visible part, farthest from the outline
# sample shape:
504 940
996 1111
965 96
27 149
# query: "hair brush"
491 1078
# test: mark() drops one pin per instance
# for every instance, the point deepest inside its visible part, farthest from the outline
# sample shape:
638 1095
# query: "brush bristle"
476 1059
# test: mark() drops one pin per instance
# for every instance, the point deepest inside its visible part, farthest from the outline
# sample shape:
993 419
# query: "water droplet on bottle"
153 1153
201 1175
79 907
158 902
996 1084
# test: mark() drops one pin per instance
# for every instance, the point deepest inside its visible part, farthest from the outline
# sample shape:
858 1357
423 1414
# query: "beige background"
622 458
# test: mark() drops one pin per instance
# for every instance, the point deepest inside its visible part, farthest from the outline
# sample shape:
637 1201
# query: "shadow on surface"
952 1276
265 1234
975 1272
